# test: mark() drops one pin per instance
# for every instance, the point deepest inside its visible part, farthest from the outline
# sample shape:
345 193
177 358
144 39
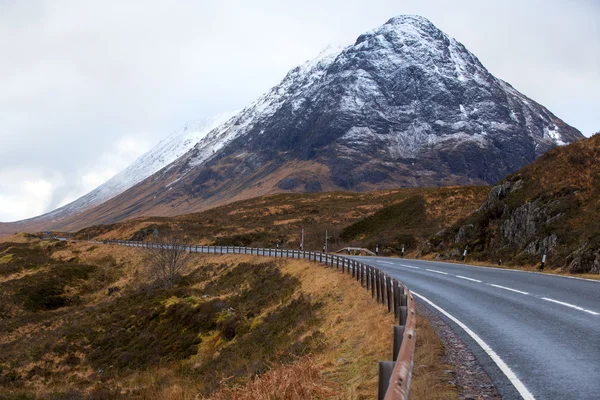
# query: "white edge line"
571 305
469 279
525 394
437 272
507 288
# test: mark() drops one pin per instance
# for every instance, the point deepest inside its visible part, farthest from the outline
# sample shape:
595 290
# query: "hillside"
82 321
552 204
405 105
264 221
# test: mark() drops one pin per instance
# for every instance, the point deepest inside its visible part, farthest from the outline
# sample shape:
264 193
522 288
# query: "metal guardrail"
394 376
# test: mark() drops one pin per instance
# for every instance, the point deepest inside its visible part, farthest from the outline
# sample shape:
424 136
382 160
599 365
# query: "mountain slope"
552 205
164 153
405 105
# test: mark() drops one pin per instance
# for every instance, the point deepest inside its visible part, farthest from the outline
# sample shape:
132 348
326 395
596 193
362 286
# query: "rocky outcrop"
549 207
584 260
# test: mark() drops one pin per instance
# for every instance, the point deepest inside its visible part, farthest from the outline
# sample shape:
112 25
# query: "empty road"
537 336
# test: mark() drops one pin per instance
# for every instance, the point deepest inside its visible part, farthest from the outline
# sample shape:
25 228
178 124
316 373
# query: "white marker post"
543 261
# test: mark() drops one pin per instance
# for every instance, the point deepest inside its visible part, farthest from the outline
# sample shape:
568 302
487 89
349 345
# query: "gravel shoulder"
467 374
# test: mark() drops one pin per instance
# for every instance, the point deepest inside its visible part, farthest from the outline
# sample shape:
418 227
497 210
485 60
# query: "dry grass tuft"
298 381
430 380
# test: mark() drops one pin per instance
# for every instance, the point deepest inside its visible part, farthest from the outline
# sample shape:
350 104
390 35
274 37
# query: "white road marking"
386 262
571 305
408 266
469 279
437 272
525 394
507 288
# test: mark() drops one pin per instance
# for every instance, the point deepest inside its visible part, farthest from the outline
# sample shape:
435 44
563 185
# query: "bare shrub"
167 258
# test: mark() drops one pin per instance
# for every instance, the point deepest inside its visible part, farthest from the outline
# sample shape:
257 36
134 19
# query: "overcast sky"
88 86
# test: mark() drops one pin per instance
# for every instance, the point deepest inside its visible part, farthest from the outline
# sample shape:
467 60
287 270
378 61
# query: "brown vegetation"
234 325
279 218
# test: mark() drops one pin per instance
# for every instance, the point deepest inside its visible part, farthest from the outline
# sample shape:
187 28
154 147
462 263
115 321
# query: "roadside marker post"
543 260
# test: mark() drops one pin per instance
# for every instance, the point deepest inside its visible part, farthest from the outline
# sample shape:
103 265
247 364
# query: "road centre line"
469 279
571 306
408 266
507 288
512 290
436 271
525 394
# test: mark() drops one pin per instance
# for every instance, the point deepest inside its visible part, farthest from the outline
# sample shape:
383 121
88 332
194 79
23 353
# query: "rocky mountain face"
551 206
405 105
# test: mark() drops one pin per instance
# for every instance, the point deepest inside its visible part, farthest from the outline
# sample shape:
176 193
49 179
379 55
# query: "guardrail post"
396 297
385 374
389 293
382 286
403 315
362 275
372 282
377 283
398 336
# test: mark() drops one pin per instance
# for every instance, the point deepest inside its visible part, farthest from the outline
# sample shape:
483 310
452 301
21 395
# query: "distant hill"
391 218
551 205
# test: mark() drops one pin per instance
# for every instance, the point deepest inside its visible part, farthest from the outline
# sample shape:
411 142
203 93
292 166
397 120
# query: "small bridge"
356 251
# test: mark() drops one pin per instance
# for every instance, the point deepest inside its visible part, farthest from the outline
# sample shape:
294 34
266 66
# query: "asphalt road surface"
537 336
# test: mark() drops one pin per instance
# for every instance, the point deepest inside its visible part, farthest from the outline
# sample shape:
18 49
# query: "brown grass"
430 380
354 334
298 381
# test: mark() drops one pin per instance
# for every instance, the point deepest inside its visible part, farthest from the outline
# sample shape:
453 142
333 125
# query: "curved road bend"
545 329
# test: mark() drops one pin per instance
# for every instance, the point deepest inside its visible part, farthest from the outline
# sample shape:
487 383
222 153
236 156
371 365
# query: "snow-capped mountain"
405 105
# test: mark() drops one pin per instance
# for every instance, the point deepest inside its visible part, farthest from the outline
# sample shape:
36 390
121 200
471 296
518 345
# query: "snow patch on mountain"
291 90
164 153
